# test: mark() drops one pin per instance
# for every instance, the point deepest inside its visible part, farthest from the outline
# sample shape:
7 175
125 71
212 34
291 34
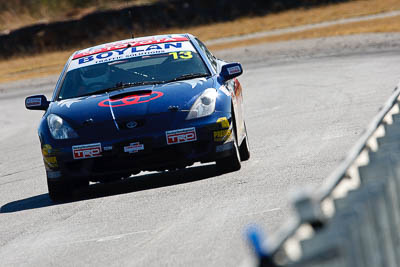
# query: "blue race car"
145 104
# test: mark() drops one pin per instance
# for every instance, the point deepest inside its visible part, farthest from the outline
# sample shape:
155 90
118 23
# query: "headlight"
59 128
204 104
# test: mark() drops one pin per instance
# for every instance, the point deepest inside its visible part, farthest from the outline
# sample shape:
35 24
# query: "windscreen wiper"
120 85
102 91
188 76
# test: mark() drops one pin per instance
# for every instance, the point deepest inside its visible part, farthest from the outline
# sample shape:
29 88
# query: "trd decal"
86 151
131 100
181 136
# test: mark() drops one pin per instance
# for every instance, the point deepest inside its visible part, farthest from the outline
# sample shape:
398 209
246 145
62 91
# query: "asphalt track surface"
305 105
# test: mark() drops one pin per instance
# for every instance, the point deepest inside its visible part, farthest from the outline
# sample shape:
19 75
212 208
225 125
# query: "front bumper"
119 158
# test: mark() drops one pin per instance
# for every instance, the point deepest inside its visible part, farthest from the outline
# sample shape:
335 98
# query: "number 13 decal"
182 55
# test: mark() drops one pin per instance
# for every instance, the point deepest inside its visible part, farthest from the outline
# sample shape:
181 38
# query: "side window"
208 54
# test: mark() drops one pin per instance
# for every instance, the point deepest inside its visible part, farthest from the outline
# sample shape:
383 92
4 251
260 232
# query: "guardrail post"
307 209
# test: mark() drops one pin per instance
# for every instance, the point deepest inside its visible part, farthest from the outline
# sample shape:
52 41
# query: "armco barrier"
354 218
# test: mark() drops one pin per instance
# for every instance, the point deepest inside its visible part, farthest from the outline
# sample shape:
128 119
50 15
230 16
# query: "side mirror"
231 70
36 102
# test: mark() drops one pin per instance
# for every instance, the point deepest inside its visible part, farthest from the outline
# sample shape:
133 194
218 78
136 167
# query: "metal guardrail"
353 219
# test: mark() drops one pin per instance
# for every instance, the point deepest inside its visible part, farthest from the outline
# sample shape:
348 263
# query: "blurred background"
18 13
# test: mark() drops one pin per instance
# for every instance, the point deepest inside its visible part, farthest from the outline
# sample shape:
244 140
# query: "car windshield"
132 66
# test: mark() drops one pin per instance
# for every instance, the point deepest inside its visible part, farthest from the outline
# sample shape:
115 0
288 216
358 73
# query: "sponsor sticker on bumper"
222 135
225 132
223 123
107 148
50 162
87 151
47 150
181 136
134 147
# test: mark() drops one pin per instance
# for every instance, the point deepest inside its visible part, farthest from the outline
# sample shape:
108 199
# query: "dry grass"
35 66
373 26
52 62
292 18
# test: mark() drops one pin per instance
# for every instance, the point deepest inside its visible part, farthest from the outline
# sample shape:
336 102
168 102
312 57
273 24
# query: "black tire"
244 149
231 163
62 190
59 190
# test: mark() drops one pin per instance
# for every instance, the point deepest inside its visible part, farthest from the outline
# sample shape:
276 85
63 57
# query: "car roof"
155 39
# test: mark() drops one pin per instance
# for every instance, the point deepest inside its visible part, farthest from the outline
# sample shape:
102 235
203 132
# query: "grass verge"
52 62
391 24
292 18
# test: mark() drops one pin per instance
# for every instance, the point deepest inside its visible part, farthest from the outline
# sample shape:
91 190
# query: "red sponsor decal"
131 100
134 147
181 136
87 151
125 44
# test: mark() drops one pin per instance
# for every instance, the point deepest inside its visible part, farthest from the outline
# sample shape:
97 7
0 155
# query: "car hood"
135 103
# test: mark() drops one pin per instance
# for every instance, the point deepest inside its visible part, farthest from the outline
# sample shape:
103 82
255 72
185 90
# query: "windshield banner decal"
130 52
128 43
